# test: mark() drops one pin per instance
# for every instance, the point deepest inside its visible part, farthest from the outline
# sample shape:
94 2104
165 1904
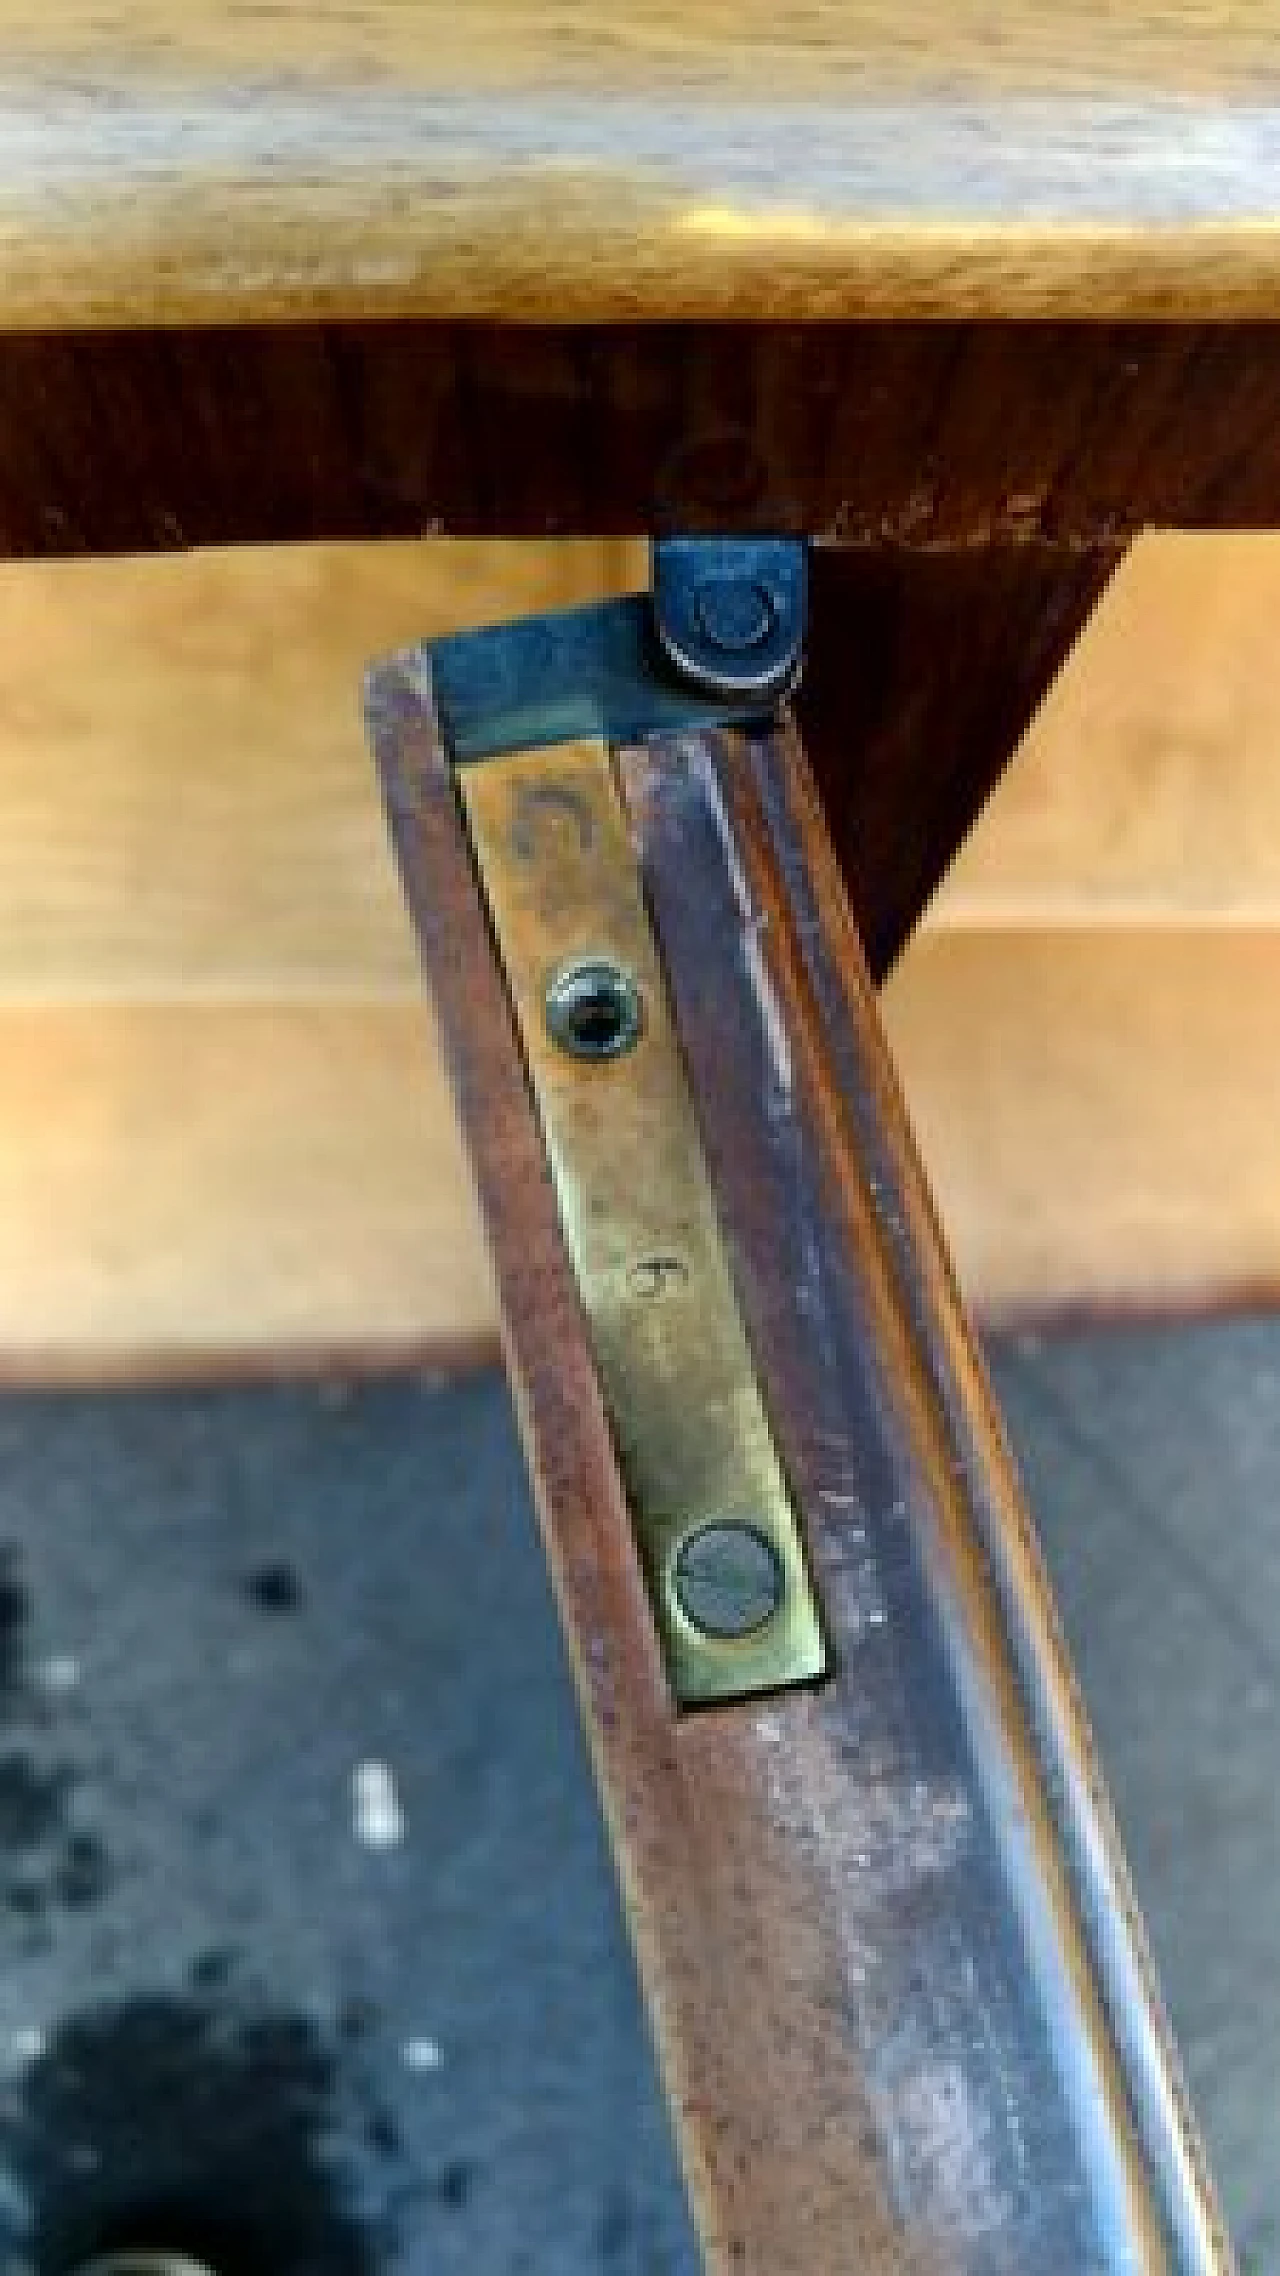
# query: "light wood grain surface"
835 158
187 808
1149 790
224 1133
1098 1111
189 1191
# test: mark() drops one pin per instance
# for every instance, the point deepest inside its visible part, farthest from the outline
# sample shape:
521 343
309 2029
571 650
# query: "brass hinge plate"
714 1522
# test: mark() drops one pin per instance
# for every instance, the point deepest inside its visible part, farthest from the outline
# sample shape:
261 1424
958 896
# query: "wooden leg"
925 669
903 2008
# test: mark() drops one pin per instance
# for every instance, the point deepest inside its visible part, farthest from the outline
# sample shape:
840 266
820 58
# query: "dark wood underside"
925 670
911 435
976 477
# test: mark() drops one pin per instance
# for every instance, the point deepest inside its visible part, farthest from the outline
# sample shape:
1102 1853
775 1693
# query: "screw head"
729 613
594 1009
727 1579
734 614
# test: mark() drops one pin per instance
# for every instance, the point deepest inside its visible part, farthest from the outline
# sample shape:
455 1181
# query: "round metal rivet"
593 1009
734 613
727 1579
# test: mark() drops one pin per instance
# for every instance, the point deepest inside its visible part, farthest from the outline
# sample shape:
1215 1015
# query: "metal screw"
734 613
730 613
727 1579
594 1009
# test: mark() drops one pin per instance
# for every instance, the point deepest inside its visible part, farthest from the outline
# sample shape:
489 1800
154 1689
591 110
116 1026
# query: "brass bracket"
713 1520
715 1526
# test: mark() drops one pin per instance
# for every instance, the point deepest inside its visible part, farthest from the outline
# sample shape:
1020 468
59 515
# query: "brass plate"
711 1511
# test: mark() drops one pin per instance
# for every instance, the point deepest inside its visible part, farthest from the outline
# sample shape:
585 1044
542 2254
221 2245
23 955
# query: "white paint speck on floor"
378 1819
422 2055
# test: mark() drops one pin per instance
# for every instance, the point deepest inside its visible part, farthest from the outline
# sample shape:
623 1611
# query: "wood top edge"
146 202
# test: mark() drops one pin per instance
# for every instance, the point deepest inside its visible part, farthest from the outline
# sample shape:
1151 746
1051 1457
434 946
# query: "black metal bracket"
718 642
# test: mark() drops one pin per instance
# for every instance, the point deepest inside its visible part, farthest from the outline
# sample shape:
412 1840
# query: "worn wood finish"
719 1898
839 157
764 1850
925 669
911 435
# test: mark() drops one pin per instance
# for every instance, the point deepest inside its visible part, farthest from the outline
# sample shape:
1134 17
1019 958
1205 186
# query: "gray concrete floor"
300 1873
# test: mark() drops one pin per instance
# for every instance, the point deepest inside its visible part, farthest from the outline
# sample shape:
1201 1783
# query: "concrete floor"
300 1872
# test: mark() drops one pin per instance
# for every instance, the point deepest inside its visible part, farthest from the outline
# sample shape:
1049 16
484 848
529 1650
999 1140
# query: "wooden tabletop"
566 160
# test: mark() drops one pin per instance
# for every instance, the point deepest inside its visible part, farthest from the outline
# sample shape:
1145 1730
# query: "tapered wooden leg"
902 2002
924 670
